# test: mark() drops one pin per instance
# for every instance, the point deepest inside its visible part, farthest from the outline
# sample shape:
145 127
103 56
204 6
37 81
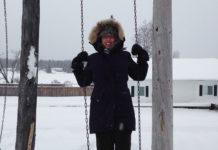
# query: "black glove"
77 61
142 54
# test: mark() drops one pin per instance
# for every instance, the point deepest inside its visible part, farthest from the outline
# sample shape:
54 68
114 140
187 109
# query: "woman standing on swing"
112 116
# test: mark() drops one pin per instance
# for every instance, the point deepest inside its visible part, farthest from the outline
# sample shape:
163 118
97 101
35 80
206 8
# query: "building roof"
192 69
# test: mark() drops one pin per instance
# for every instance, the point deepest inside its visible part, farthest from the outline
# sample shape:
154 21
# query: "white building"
194 80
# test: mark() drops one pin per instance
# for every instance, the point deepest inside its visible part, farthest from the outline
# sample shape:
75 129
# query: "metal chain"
82 26
84 89
86 119
138 83
139 117
6 87
135 19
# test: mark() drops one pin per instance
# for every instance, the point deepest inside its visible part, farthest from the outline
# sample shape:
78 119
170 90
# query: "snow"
183 69
62 77
198 69
61 125
48 78
192 69
32 64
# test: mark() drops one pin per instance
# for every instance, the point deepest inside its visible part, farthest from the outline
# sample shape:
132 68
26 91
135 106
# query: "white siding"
208 97
183 90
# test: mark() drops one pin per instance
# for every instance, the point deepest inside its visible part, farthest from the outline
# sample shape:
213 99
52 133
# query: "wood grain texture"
162 99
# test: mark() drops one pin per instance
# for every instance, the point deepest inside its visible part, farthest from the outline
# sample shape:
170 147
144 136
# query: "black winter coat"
111 105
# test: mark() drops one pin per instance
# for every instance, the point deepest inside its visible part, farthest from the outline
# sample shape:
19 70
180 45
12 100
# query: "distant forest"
46 65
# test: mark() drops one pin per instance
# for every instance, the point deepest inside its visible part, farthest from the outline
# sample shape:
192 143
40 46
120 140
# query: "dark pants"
121 140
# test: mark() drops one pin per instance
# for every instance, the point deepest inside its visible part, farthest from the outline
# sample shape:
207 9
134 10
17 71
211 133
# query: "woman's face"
108 40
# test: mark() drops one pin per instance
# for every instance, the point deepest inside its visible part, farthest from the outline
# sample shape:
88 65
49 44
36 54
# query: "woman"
112 116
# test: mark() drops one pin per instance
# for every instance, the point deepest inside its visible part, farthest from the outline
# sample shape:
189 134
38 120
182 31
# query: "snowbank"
61 125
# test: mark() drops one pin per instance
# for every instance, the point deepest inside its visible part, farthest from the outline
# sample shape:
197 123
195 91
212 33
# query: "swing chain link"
6 86
82 26
135 19
84 89
86 119
139 117
138 83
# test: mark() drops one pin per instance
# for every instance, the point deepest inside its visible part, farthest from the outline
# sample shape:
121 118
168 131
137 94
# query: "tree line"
43 64
46 65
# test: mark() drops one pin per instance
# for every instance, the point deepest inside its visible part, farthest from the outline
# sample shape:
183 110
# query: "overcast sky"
195 25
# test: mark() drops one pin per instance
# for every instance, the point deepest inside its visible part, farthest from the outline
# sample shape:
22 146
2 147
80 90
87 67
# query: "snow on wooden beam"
28 76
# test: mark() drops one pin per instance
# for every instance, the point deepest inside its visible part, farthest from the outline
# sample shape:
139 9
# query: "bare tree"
3 71
13 63
145 36
48 69
176 54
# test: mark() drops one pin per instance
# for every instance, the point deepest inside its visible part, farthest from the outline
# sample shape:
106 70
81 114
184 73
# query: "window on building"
141 91
206 90
146 91
215 90
132 91
210 90
200 90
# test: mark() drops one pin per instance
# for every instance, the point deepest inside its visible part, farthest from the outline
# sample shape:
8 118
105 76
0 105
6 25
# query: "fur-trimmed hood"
95 40
95 31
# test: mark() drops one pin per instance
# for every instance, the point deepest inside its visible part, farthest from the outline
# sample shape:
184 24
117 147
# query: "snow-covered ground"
183 69
48 78
61 126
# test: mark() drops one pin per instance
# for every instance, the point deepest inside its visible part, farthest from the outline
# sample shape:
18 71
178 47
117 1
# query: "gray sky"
195 25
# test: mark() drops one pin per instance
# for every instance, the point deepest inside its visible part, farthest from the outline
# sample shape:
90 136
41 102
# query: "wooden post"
162 98
26 119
